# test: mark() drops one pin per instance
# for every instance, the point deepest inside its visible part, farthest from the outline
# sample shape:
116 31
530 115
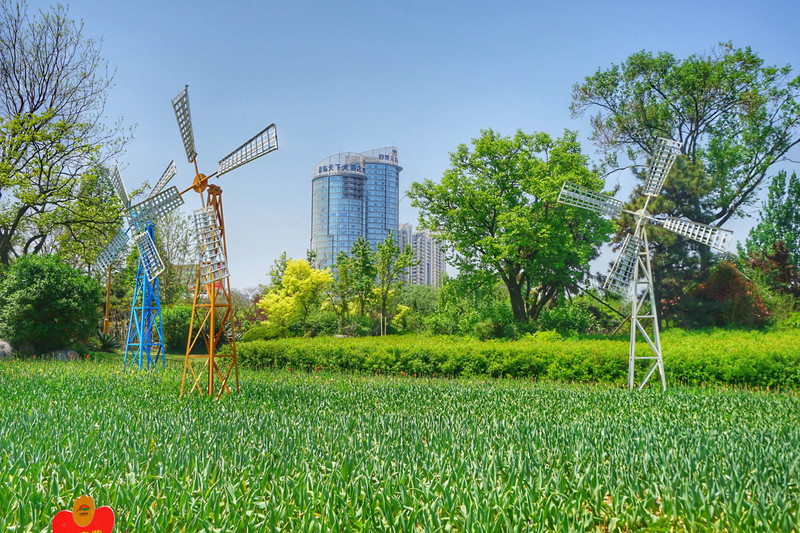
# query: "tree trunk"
517 301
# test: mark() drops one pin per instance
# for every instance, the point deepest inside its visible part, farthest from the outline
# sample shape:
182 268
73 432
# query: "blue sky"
356 75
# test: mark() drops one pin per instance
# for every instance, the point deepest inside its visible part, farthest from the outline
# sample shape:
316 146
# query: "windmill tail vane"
631 274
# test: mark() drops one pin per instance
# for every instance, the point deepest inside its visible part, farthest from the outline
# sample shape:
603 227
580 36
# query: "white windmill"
631 275
144 328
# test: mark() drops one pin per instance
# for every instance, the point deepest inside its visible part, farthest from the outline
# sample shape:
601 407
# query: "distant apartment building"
354 195
431 268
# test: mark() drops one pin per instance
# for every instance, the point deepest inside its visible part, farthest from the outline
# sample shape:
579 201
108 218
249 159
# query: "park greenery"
492 402
298 451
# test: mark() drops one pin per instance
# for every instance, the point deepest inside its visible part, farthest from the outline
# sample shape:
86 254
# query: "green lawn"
333 452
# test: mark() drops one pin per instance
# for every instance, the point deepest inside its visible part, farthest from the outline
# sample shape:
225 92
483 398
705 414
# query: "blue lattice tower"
145 342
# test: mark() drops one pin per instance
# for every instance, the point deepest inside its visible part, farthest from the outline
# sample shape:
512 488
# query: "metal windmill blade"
120 240
119 187
577 196
262 143
184 116
168 174
660 165
716 238
151 260
621 274
148 212
210 246
118 243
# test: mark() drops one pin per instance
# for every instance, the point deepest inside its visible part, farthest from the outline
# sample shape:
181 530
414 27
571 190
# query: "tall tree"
496 211
390 263
175 243
779 218
342 291
53 143
363 272
735 116
301 293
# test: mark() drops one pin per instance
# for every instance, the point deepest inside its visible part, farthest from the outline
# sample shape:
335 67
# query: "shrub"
175 321
726 299
46 304
259 333
567 319
709 357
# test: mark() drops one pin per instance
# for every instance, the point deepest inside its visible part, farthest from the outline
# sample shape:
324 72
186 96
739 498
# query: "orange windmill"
212 312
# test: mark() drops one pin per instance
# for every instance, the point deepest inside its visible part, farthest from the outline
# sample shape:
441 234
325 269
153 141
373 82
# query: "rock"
64 355
5 350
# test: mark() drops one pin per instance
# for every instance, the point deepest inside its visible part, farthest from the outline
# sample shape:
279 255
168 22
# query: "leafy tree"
175 243
496 212
419 298
47 305
342 291
779 219
726 298
301 293
735 116
52 141
391 263
780 274
276 273
363 272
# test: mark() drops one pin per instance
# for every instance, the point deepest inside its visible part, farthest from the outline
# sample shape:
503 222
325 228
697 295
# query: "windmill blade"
660 165
578 196
210 247
264 142
181 106
717 238
621 274
165 177
118 243
149 211
151 260
119 186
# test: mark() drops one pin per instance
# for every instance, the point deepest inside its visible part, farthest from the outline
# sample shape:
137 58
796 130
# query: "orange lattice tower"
212 311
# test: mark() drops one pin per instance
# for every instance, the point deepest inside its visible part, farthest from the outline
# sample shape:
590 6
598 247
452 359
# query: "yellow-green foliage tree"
300 294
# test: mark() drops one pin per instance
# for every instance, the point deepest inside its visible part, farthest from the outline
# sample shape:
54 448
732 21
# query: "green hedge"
754 359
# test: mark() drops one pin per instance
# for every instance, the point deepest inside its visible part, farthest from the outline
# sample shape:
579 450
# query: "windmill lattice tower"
212 309
631 276
145 340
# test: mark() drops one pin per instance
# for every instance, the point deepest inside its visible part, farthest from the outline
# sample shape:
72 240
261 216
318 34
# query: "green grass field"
334 452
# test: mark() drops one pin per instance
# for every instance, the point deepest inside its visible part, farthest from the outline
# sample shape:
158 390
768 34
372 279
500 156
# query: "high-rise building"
432 267
354 195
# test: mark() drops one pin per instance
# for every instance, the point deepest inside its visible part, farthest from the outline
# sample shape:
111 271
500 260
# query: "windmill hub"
642 213
200 182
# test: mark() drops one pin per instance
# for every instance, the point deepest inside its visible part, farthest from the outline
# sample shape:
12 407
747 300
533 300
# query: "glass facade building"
354 195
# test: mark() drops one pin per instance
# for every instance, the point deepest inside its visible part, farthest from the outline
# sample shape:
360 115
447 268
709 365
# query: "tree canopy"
301 292
53 144
779 218
735 116
496 211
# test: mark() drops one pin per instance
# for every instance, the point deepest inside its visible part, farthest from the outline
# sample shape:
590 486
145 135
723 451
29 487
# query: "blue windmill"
145 340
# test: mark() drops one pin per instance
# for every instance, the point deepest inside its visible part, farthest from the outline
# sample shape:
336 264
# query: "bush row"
756 359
